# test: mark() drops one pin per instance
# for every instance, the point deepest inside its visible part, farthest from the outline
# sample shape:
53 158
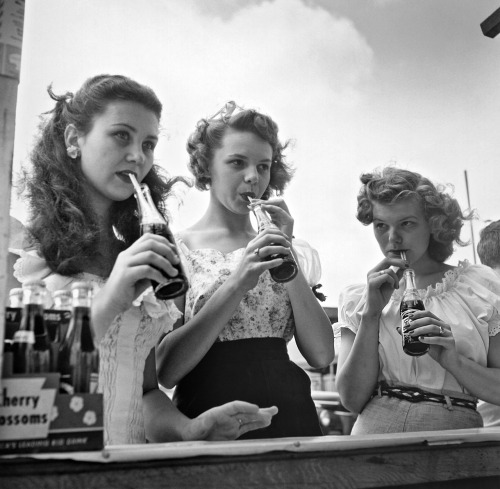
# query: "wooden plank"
491 25
469 465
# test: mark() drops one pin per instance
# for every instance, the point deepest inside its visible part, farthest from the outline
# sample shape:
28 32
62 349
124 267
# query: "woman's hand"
278 210
229 421
143 261
381 283
429 329
256 258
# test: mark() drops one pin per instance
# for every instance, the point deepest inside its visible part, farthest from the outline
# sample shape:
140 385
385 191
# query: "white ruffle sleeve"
309 261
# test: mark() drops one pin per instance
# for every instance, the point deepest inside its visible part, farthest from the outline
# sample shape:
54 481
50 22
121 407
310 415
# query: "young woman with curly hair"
237 320
392 391
84 226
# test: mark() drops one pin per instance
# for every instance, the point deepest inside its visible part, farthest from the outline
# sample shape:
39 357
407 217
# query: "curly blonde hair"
442 211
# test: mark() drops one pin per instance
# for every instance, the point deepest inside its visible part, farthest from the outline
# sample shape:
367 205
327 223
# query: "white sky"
355 84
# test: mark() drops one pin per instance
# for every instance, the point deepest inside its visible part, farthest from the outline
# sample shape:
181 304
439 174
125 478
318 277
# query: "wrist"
451 361
235 286
370 315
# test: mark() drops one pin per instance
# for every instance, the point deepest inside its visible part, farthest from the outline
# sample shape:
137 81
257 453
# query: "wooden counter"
460 459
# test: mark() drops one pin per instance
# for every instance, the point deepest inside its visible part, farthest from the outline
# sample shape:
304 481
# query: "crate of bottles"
48 390
35 417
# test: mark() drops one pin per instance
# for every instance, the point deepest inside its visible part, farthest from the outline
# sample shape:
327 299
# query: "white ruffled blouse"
468 299
123 349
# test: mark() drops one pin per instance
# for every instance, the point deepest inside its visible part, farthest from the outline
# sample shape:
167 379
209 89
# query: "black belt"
415 394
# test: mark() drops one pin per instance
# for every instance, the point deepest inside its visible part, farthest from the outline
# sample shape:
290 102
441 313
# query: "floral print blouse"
265 311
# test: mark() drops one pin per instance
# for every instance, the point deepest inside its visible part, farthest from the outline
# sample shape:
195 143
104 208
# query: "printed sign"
26 407
11 37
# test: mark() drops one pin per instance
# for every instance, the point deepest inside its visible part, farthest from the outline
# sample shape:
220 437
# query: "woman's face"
122 139
402 227
241 167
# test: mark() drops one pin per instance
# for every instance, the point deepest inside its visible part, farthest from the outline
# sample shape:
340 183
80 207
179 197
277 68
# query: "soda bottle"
30 342
411 302
289 268
57 323
79 355
151 221
13 313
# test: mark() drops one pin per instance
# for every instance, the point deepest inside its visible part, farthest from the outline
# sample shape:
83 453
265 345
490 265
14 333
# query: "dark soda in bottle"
411 302
79 354
30 343
152 221
57 322
289 268
13 313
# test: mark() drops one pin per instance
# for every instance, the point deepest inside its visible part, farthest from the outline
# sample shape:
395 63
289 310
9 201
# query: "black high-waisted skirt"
256 370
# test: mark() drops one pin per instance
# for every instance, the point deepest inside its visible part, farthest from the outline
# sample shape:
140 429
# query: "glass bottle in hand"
411 302
289 268
151 221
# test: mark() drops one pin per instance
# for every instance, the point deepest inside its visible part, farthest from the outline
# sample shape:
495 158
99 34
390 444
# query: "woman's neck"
221 230
219 217
429 271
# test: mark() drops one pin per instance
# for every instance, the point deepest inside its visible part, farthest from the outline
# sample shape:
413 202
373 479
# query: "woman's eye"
236 162
122 135
379 225
264 168
149 145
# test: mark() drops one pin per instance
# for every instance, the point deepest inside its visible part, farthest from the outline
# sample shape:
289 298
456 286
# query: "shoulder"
480 275
475 285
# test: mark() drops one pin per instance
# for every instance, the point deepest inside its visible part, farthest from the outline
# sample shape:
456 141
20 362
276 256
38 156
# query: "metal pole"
470 209
11 36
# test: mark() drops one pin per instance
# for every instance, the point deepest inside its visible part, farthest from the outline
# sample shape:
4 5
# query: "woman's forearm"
482 382
313 330
358 364
182 349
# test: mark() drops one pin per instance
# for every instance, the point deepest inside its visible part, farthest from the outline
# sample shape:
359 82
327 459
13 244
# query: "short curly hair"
488 247
208 136
443 213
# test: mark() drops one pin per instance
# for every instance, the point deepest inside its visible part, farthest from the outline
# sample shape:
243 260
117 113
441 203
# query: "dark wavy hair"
443 213
62 223
488 247
208 135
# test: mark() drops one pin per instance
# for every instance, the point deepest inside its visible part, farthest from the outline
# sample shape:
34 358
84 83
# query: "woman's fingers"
426 325
386 275
251 417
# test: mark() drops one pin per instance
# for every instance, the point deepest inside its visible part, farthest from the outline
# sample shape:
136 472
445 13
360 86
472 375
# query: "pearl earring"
73 152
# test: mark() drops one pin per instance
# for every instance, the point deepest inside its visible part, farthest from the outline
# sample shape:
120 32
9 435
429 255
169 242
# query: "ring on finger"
382 272
441 331
256 252
240 422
